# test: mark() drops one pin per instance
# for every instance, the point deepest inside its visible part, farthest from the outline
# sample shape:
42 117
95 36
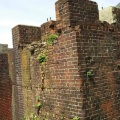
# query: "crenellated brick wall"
81 74
76 12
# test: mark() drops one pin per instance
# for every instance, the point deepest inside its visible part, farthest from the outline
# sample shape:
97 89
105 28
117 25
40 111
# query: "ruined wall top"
76 12
110 15
3 48
69 13
27 34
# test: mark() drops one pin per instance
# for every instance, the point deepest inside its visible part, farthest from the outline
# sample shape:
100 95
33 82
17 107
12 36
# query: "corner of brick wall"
98 49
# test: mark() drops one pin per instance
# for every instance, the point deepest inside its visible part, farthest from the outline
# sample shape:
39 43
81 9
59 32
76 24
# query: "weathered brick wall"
28 34
14 87
5 89
22 35
61 94
77 11
98 49
85 45
18 78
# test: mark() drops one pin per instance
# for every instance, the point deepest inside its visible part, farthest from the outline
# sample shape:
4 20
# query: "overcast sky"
30 12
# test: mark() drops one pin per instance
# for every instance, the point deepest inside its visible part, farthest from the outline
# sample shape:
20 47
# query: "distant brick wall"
113 12
14 87
3 48
5 89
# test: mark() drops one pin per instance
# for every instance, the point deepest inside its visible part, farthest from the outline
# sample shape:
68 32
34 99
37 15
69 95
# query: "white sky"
30 12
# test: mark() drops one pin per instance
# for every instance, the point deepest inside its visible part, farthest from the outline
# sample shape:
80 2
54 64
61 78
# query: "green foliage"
37 98
51 38
34 117
76 118
39 105
41 58
90 73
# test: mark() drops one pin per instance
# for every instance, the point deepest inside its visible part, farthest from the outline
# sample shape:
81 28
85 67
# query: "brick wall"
14 87
77 11
82 68
22 35
98 51
5 89
61 96
28 34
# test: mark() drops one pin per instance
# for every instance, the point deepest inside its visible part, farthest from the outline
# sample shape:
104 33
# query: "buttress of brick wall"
22 36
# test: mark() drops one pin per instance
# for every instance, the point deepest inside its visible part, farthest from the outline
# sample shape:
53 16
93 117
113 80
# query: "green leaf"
51 38
89 73
41 58
38 105
76 118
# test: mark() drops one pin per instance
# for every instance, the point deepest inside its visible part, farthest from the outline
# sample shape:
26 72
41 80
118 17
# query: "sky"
30 12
